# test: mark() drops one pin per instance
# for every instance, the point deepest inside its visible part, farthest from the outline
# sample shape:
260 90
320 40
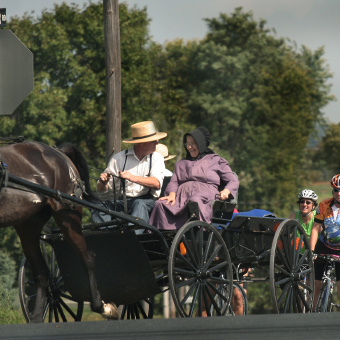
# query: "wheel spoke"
189 252
194 300
281 269
212 257
282 258
68 297
288 299
303 299
207 303
207 248
67 308
50 314
185 261
185 283
194 254
185 272
200 257
294 252
190 290
283 294
218 266
60 311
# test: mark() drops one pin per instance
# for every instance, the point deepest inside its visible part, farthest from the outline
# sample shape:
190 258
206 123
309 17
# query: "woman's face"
192 146
336 195
306 205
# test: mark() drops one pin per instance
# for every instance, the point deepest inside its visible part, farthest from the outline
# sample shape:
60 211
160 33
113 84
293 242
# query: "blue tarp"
255 213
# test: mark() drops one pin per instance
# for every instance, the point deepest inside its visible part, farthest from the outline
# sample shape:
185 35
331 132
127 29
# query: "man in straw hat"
142 171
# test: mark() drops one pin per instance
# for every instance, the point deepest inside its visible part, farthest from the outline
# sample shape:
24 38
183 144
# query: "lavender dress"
193 181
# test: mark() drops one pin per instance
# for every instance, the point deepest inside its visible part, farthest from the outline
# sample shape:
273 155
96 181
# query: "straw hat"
144 132
163 150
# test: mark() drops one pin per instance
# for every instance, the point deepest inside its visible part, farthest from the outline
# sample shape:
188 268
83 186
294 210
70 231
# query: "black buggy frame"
198 263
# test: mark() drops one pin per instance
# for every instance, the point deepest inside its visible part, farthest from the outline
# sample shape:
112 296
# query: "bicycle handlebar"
327 257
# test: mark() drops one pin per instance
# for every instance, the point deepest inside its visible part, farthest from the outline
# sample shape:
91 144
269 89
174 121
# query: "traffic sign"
16 72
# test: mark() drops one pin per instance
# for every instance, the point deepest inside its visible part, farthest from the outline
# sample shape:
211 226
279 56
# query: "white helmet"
306 193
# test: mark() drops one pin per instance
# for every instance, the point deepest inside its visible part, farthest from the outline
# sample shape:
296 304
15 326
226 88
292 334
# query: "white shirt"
138 168
168 173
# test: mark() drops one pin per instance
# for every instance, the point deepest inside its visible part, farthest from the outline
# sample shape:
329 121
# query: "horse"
63 169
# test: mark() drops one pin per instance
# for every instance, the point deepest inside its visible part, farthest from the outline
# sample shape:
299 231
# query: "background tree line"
260 96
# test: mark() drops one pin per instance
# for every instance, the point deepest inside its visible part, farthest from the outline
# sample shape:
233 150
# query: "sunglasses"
307 202
336 190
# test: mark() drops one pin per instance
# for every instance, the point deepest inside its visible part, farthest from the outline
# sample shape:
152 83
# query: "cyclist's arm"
316 229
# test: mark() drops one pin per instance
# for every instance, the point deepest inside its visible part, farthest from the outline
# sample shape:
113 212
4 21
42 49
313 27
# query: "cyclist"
327 222
307 201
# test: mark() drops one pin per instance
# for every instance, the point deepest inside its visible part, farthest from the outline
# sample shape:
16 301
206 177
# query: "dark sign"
16 72
2 17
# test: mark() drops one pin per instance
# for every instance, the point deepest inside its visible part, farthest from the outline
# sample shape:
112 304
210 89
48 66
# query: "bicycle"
324 303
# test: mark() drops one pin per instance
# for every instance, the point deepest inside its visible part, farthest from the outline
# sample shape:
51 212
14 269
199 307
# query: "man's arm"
149 182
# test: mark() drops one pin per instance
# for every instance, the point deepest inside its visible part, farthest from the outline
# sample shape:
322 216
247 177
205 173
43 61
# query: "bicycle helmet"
335 182
307 193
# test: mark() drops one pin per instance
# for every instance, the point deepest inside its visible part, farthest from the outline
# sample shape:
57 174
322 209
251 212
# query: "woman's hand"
224 194
170 199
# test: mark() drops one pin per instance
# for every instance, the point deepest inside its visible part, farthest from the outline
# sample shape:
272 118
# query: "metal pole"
113 76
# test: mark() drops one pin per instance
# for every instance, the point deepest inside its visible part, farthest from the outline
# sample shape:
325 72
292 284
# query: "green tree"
68 100
260 98
329 149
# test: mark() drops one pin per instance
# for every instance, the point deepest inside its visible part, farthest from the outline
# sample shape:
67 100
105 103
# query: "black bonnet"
202 138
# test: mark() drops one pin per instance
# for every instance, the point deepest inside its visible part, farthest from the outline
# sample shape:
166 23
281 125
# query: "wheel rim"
57 307
291 269
139 310
199 263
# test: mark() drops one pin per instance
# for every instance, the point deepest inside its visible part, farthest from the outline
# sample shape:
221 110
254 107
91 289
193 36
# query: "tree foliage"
329 149
261 99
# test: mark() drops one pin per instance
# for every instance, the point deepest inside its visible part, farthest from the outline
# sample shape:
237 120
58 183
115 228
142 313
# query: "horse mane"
80 163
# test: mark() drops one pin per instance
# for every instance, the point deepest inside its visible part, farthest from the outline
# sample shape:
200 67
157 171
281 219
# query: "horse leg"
29 234
69 222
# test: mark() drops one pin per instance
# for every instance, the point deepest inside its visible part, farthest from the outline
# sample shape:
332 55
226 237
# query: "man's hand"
126 175
104 177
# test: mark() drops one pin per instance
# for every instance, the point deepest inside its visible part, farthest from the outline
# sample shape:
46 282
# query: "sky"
313 23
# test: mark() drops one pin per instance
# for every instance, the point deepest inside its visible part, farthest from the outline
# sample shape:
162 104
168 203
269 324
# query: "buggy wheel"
139 310
60 306
291 269
199 264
